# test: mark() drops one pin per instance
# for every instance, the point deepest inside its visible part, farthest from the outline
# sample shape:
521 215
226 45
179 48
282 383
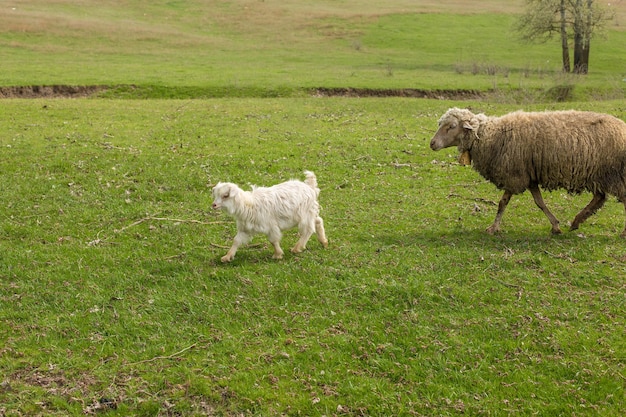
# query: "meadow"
199 49
113 299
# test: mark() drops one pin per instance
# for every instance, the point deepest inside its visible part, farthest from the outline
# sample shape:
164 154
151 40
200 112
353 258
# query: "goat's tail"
311 181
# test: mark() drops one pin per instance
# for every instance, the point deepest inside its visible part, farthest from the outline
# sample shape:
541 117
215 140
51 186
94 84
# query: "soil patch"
80 91
402 92
43 91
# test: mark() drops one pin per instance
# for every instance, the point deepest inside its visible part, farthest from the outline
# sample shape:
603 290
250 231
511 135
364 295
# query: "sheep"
572 150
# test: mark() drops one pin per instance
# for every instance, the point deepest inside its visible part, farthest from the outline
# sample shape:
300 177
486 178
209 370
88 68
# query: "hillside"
277 48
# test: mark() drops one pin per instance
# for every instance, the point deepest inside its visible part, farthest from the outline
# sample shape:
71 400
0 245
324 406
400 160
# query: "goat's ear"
467 125
230 191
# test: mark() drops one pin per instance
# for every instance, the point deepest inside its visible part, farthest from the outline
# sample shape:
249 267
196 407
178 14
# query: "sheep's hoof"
492 230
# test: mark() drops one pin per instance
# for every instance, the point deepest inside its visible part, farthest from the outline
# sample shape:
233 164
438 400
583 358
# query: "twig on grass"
506 284
215 245
254 245
172 356
180 255
99 240
519 288
561 256
164 219
429 131
400 165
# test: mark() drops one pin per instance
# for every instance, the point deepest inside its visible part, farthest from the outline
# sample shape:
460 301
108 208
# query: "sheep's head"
454 128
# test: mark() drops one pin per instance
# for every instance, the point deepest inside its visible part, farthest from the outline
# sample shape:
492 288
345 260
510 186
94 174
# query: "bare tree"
592 20
575 21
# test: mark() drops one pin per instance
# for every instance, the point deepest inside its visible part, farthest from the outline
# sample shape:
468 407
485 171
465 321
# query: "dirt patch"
44 91
402 92
81 91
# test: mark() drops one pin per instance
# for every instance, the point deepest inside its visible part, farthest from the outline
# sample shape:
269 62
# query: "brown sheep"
572 150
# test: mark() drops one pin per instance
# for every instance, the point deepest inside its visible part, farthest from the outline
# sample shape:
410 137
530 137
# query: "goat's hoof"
227 258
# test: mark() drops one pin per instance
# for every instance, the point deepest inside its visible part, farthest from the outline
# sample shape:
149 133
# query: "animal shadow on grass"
472 240
259 251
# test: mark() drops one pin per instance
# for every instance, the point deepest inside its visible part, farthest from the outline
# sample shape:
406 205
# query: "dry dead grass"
36 15
292 15
211 23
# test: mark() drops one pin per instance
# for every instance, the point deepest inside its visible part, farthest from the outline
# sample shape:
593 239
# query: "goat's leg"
320 232
534 190
305 230
594 205
274 237
504 201
240 239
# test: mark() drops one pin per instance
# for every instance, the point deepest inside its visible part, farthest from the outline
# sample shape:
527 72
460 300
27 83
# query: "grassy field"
113 299
268 48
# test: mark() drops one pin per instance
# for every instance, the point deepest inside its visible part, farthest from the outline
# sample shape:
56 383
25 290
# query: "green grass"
113 300
264 49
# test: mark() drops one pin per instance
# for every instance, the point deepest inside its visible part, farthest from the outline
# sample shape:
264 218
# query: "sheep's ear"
467 125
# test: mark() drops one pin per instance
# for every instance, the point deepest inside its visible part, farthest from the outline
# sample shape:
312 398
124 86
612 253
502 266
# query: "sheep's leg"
539 201
504 201
594 205
623 199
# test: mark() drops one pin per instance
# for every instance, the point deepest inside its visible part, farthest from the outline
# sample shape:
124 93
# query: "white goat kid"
271 210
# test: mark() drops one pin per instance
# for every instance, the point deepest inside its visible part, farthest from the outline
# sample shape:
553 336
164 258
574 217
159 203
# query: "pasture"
197 49
113 299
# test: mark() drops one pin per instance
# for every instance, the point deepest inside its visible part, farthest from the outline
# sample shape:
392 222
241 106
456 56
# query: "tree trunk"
564 41
587 38
583 65
578 38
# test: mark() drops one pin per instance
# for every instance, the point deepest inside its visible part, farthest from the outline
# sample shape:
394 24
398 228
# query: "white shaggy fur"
271 210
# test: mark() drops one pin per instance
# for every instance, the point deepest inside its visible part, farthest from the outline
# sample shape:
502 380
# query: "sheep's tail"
311 181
